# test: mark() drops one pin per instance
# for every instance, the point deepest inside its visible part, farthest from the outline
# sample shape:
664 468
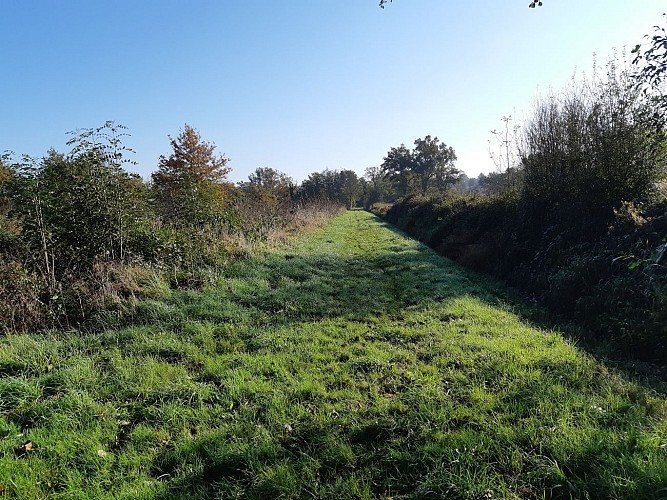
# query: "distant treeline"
577 216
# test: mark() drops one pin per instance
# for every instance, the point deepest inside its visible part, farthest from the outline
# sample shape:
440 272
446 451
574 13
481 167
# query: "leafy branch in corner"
532 5
652 66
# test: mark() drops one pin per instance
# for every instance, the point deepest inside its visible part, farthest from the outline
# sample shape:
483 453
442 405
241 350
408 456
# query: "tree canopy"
652 66
189 182
429 166
342 186
270 178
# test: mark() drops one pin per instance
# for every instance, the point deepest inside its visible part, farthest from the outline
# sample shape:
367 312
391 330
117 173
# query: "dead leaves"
24 449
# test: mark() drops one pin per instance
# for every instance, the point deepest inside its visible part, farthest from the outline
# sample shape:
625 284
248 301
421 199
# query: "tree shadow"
651 375
288 289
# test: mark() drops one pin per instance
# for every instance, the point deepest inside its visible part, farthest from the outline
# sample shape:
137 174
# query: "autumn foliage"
190 184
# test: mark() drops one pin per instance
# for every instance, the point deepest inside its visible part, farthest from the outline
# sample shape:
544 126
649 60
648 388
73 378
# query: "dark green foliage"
397 167
430 166
651 75
564 255
594 144
270 179
434 164
376 187
73 211
77 208
342 186
500 183
66 215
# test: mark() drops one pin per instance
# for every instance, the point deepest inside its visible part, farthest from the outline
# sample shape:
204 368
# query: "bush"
595 144
73 211
599 271
21 306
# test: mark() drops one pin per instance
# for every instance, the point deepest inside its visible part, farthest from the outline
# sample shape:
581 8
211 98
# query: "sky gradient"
300 85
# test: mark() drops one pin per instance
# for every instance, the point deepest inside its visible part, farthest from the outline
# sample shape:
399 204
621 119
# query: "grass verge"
354 364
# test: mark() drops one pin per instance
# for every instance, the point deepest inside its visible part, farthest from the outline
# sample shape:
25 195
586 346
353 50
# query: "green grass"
354 364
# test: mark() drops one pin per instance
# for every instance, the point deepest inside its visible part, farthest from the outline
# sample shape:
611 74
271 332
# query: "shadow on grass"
289 288
651 375
415 450
294 287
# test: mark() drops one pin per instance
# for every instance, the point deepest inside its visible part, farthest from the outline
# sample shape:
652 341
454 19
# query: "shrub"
603 273
74 210
21 307
595 143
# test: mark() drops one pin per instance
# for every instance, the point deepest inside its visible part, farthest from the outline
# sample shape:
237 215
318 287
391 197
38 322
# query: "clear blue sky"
299 85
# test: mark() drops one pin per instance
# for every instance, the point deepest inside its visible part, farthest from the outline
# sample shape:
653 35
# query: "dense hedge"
602 269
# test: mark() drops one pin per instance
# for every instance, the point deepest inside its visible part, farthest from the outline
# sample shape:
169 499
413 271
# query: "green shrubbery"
72 226
585 230
597 143
602 274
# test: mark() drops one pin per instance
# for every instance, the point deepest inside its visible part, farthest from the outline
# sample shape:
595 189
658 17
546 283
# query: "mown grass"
355 364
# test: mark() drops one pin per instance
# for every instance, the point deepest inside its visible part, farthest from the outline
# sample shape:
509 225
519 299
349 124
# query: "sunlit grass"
355 364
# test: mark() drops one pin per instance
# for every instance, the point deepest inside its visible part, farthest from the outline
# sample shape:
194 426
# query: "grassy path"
356 364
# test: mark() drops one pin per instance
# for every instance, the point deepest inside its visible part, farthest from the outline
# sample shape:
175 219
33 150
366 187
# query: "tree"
271 179
269 191
342 186
397 166
318 185
375 186
497 182
429 165
349 188
434 160
190 184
